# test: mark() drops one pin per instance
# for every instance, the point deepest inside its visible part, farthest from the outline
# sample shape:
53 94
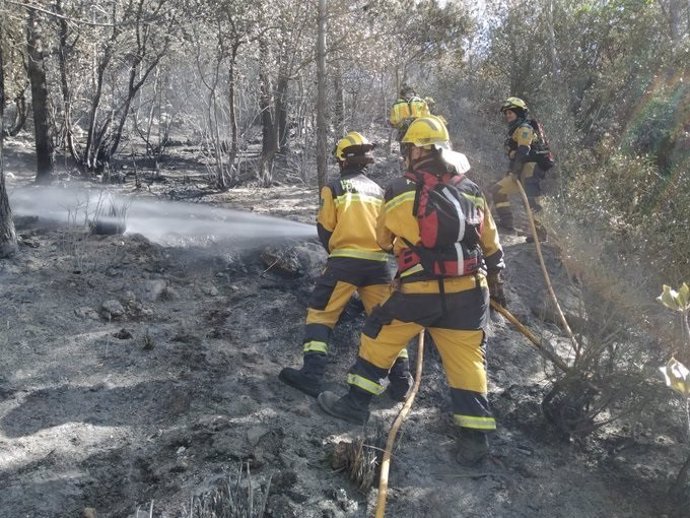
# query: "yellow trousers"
339 281
507 186
456 320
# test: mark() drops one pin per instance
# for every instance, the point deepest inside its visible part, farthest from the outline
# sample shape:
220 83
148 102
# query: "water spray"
169 223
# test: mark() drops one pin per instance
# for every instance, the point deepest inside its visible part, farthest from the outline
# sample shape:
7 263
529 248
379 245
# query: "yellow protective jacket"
404 109
346 223
398 221
521 138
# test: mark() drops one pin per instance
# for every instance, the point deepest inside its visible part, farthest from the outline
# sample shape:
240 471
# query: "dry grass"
621 343
238 496
359 460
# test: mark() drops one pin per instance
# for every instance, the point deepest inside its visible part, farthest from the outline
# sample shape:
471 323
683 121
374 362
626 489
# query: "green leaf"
675 300
684 296
677 377
668 298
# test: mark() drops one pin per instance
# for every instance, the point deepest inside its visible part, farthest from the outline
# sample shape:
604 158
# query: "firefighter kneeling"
442 264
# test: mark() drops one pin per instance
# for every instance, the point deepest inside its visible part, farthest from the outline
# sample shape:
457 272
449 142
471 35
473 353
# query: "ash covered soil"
140 379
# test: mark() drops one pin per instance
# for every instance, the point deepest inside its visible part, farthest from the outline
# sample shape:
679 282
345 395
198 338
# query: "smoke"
165 222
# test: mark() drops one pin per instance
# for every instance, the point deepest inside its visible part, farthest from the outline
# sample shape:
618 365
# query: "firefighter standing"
454 310
519 147
431 103
346 225
407 108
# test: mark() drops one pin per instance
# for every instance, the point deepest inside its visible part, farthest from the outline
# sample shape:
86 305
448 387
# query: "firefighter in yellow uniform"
453 309
407 108
346 225
431 103
521 139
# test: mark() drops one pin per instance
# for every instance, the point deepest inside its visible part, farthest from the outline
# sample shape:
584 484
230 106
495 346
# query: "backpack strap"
420 177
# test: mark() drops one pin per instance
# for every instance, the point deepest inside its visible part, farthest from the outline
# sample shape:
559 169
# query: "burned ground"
145 376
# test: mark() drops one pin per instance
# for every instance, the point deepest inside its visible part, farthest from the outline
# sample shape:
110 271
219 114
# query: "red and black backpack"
541 150
450 214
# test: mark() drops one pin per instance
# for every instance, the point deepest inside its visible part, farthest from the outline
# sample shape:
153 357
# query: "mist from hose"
168 223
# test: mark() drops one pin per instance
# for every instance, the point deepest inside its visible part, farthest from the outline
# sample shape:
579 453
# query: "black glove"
496 288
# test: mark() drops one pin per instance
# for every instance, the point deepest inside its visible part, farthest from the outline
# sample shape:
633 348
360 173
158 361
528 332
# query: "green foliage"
657 127
676 300
676 374
639 212
677 377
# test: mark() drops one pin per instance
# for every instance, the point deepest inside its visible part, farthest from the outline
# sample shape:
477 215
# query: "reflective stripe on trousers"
458 334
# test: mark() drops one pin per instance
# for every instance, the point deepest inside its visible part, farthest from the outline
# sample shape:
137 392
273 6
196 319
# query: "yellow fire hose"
552 357
531 337
402 415
386 462
552 294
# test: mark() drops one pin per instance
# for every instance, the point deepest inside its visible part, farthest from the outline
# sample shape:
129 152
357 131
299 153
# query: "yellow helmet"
352 144
430 132
514 103
427 131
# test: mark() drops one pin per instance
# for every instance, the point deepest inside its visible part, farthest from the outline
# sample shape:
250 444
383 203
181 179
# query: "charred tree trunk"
321 128
234 146
89 159
139 72
63 50
339 112
269 143
8 238
267 124
282 112
39 101
19 116
132 90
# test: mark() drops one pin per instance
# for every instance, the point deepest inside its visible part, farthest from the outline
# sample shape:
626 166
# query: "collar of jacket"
352 171
431 165
515 125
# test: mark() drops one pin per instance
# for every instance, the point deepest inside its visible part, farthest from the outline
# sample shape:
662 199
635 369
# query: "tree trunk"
92 145
20 115
321 129
269 143
39 101
282 112
268 130
133 88
8 238
124 111
553 52
234 146
63 49
339 114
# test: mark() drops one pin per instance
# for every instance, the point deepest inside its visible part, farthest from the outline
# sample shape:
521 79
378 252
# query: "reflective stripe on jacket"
521 138
350 207
397 221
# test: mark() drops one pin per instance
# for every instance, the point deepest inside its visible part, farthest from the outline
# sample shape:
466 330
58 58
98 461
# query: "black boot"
401 380
308 378
473 447
541 234
504 221
352 407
